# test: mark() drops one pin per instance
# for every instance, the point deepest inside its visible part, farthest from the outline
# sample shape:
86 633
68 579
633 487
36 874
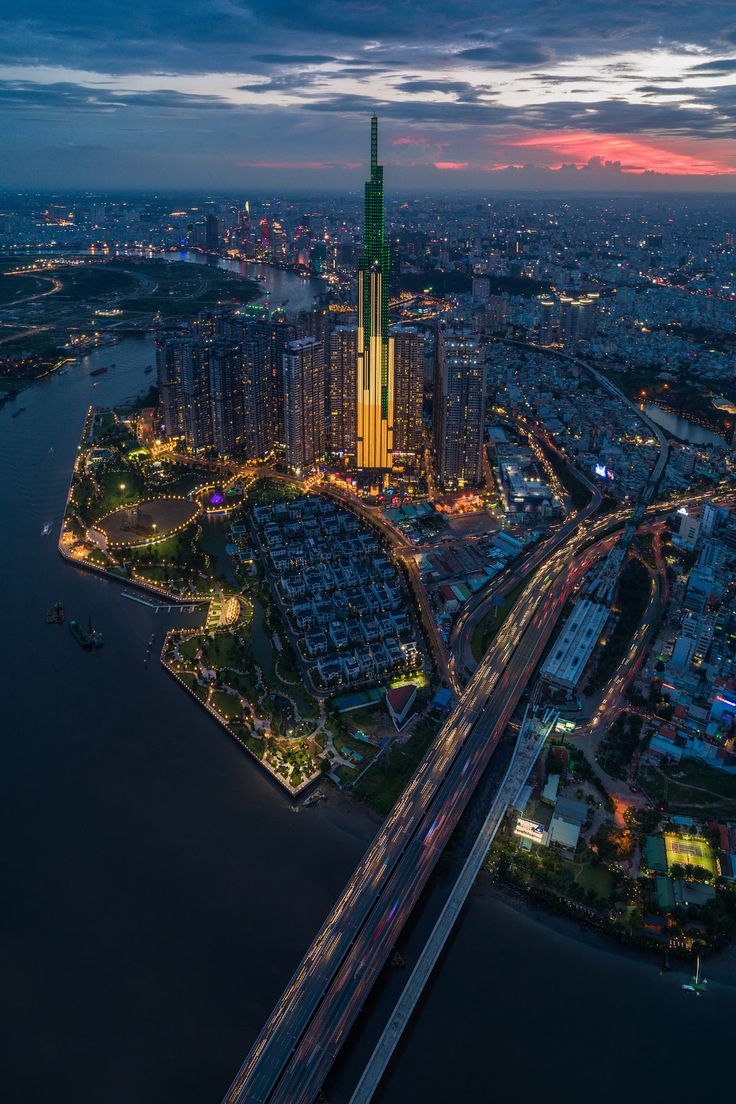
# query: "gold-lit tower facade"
375 374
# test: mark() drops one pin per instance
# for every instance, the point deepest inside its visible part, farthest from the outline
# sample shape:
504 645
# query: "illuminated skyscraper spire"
375 348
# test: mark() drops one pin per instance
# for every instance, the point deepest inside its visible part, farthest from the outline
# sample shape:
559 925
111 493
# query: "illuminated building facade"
304 402
226 397
408 388
375 367
460 408
343 391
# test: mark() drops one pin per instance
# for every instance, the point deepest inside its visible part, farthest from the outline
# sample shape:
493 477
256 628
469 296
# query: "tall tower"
375 347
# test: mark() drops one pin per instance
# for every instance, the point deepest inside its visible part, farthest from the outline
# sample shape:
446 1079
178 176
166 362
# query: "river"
283 287
681 428
158 888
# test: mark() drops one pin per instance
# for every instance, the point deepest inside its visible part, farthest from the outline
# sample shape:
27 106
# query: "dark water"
681 428
284 288
158 890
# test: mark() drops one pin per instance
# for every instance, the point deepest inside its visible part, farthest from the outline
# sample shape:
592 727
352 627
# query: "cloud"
451 166
507 54
294 59
66 96
721 65
594 152
289 82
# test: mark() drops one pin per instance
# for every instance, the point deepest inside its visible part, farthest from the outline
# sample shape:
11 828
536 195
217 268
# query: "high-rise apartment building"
304 402
342 391
169 359
375 369
578 317
195 388
221 383
459 396
408 388
226 396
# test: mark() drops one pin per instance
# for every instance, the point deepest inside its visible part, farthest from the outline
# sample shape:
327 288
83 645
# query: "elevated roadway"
295 1050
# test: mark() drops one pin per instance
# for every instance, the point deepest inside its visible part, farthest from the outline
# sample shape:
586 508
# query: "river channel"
682 428
159 889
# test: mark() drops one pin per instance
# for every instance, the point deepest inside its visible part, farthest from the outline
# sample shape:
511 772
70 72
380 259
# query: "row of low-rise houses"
339 592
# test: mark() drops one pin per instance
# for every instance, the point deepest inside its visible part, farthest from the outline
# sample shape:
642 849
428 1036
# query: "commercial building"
459 397
571 652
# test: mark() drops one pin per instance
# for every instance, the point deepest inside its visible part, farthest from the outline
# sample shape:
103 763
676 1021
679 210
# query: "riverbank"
720 966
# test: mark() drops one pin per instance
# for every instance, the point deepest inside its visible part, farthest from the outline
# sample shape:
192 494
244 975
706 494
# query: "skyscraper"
408 388
226 396
375 348
342 390
304 402
195 382
169 358
460 412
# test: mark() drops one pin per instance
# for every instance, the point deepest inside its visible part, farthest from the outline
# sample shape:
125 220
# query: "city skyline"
370 548
554 96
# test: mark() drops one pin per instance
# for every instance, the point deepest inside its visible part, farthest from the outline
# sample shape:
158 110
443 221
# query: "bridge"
295 1050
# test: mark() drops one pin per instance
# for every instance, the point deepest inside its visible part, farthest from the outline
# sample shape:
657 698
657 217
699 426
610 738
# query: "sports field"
689 850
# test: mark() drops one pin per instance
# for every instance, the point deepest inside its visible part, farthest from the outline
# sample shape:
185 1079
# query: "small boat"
18 412
148 368
99 371
696 984
47 528
55 616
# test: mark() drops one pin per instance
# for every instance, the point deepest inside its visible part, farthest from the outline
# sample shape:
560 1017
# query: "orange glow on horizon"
634 156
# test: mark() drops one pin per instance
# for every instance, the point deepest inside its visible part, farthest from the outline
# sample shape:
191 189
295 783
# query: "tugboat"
86 638
55 616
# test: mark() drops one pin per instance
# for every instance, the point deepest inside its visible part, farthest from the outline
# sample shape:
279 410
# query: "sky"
254 95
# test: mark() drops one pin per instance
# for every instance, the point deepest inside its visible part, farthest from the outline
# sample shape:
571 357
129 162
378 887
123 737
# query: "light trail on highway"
396 842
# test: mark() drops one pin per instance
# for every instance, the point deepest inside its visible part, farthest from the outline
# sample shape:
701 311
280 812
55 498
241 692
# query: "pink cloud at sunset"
452 166
410 140
582 148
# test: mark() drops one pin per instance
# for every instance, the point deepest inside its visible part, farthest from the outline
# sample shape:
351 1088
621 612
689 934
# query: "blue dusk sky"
274 94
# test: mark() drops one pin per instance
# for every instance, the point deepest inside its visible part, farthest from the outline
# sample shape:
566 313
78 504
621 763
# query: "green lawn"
691 787
382 784
226 705
596 878
13 288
